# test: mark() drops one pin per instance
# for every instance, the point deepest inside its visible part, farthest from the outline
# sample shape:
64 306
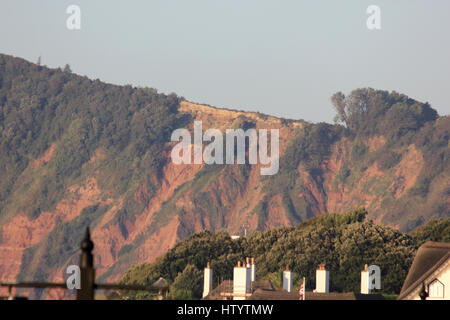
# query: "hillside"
345 242
77 152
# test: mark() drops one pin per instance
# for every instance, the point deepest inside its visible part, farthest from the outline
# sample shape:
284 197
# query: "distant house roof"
429 257
274 294
264 290
216 293
262 284
226 286
280 294
160 283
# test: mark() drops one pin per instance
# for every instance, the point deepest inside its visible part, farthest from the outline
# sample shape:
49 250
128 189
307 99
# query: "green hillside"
40 106
76 152
345 242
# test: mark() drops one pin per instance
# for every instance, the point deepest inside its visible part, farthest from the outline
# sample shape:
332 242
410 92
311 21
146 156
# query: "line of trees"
345 242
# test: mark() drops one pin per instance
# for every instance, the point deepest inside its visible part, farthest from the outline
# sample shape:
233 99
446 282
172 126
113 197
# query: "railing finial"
87 245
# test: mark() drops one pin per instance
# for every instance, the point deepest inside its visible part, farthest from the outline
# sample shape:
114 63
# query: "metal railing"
87 278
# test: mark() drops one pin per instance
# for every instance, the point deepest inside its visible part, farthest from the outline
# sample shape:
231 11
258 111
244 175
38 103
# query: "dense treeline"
435 230
345 242
368 112
41 106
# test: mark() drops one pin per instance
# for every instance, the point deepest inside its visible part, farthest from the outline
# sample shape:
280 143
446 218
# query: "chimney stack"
241 281
365 281
208 278
249 273
253 270
287 279
370 279
322 279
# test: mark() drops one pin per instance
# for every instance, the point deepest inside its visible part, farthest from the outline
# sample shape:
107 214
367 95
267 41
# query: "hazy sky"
284 58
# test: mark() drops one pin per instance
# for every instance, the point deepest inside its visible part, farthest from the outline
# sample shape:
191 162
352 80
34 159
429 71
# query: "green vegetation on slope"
68 236
402 122
345 242
435 230
397 120
41 106
127 129
311 145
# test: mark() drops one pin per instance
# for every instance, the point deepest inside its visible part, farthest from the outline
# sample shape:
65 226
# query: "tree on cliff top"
367 111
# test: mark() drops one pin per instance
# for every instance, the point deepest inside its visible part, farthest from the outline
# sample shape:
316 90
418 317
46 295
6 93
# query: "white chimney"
253 270
240 281
208 280
249 274
365 281
287 279
370 278
322 279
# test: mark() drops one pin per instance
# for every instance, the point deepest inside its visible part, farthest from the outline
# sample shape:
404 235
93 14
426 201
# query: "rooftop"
264 290
429 257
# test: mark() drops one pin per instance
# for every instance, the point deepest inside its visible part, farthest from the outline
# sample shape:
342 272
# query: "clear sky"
284 58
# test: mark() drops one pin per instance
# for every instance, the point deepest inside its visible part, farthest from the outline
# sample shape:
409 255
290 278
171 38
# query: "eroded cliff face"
194 197
21 232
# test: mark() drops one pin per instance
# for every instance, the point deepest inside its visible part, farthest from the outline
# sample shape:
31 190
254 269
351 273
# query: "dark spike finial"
87 234
86 250
87 244
87 268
